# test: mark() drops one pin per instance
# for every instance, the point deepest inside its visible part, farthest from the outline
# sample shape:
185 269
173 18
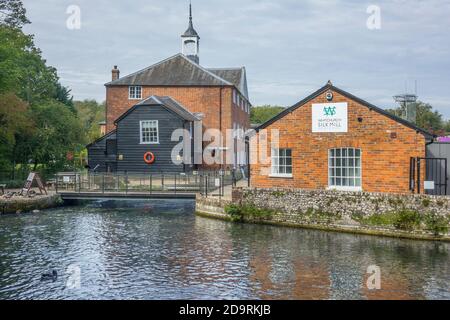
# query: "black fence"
208 183
429 176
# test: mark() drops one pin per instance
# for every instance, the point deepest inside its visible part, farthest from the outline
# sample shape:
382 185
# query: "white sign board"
428 185
217 182
330 117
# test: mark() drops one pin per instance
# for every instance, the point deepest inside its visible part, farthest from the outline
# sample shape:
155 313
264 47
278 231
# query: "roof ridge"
206 70
329 86
145 69
145 100
225 68
167 59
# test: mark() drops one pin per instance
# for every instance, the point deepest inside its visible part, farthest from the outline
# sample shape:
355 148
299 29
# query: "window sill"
351 189
149 143
289 176
134 98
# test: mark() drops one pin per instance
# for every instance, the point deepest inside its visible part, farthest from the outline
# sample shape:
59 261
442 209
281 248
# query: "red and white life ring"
149 158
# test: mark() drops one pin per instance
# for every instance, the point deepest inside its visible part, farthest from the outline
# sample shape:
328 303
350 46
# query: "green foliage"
278 194
436 223
407 220
261 114
39 124
385 219
90 113
14 126
426 118
58 131
403 219
63 95
318 215
13 13
426 202
239 213
24 71
13 184
235 212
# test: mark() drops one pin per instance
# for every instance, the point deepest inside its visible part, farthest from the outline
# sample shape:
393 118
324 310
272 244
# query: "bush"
13 184
437 224
407 220
238 213
235 212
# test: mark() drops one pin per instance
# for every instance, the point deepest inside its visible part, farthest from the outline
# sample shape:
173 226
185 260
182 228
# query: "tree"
13 13
38 121
426 118
15 124
58 131
90 113
22 69
63 95
261 114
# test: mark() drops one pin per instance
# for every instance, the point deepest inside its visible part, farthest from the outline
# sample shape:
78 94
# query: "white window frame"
345 167
275 159
141 135
134 96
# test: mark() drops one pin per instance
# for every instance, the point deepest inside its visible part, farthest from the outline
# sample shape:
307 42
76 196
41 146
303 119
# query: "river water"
160 250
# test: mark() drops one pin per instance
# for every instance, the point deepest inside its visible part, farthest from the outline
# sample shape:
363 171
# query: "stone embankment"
21 204
404 216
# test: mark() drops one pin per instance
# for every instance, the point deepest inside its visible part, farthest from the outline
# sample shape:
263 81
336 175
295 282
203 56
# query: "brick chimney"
115 73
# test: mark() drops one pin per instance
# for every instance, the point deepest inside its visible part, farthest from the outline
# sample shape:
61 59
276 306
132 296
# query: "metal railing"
208 183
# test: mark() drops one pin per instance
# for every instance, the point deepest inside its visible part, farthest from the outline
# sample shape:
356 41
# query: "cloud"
289 47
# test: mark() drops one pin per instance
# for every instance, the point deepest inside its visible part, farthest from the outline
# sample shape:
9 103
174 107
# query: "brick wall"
385 159
195 99
206 100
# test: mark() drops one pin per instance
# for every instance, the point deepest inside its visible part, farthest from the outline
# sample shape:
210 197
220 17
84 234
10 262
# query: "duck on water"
50 276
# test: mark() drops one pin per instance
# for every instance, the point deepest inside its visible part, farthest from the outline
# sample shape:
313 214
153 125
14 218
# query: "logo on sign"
329 111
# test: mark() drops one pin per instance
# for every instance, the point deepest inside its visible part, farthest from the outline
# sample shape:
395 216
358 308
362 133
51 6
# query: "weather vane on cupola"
190 40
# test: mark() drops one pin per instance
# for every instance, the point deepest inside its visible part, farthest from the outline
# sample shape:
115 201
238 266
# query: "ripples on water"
160 250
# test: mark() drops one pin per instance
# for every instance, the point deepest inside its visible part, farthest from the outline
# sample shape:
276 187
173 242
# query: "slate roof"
164 101
236 76
329 86
178 70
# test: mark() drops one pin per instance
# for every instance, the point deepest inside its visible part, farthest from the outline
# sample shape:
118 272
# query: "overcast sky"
289 48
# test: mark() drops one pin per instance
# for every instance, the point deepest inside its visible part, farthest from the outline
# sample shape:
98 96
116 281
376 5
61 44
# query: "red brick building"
220 95
334 140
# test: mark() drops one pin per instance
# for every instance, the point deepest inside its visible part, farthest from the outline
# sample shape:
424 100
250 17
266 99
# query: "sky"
290 48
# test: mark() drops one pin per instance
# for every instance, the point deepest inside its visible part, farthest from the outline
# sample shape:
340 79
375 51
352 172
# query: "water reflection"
159 249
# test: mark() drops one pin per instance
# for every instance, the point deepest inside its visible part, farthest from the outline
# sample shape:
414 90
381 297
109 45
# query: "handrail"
204 182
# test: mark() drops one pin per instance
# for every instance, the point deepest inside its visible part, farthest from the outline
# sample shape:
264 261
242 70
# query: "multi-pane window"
149 131
344 168
281 162
135 92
